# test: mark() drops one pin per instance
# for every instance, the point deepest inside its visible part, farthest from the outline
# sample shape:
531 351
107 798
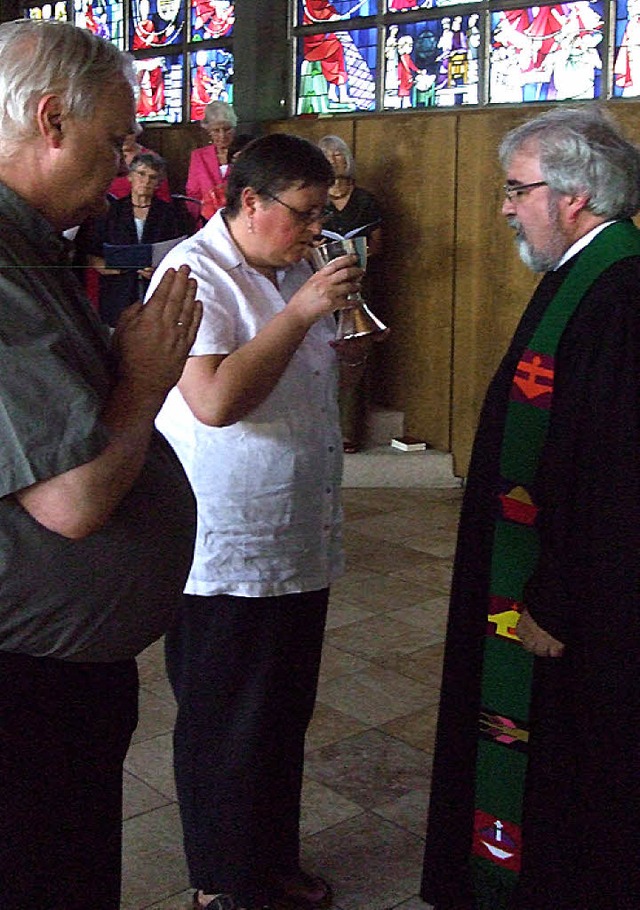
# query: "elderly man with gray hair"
535 802
97 518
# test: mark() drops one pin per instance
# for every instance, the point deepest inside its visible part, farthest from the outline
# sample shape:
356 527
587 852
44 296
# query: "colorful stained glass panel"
159 89
546 53
433 63
102 17
211 79
312 12
626 61
212 19
337 72
155 23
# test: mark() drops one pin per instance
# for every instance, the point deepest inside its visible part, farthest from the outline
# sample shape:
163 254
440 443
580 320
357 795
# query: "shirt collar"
582 243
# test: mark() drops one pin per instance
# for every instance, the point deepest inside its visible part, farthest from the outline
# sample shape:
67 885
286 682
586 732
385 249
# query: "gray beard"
536 260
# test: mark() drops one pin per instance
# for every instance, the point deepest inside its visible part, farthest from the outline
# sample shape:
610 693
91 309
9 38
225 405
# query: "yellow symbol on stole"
505 623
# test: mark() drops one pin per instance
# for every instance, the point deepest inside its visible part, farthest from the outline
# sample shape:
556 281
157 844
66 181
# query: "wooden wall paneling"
409 164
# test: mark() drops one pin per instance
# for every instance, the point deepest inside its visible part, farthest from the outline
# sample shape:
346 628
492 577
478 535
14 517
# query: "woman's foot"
300 891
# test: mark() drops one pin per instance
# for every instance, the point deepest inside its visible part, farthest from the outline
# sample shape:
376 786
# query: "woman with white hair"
351 207
207 178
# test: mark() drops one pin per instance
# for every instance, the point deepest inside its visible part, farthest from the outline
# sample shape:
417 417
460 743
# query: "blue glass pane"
160 89
626 66
155 22
547 53
102 17
211 19
434 63
211 74
337 72
311 12
47 11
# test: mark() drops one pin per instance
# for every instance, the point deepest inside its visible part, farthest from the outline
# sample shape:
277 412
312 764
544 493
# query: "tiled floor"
370 743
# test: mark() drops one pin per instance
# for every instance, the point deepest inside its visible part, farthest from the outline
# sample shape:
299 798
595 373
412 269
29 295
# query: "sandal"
300 891
349 447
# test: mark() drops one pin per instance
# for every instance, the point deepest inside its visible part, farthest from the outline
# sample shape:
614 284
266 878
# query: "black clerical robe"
582 796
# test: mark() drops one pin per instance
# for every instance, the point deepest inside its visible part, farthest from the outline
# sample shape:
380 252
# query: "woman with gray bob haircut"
582 150
90 64
332 146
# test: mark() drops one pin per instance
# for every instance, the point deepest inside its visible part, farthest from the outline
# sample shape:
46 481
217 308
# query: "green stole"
507 668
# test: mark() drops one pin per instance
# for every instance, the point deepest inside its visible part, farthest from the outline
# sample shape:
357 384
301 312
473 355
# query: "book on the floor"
409 444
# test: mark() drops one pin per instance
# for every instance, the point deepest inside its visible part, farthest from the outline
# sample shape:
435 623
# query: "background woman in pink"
208 166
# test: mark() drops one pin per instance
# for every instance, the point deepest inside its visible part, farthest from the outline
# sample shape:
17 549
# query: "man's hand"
535 639
152 342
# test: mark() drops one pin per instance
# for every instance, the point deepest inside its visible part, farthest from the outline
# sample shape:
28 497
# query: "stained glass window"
102 17
312 12
211 19
626 64
432 63
155 22
547 53
337 72
211 79
160 89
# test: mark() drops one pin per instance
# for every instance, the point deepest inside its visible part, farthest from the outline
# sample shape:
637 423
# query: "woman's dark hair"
148 159
272 164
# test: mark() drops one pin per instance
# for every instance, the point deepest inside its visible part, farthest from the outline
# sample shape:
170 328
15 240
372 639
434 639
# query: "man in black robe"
572 184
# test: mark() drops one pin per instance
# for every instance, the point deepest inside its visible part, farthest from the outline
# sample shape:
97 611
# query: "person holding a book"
354 211
139 218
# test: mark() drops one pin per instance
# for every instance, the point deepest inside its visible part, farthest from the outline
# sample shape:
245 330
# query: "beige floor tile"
372 864
370 769
431 573
417 729
414 903
151 761
181 901
383 557
375 695
339 663
430 617
424 665
153 860
151 663
156 715
383 633
139 797
379 593
330 726
342 613
323 807
408 812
